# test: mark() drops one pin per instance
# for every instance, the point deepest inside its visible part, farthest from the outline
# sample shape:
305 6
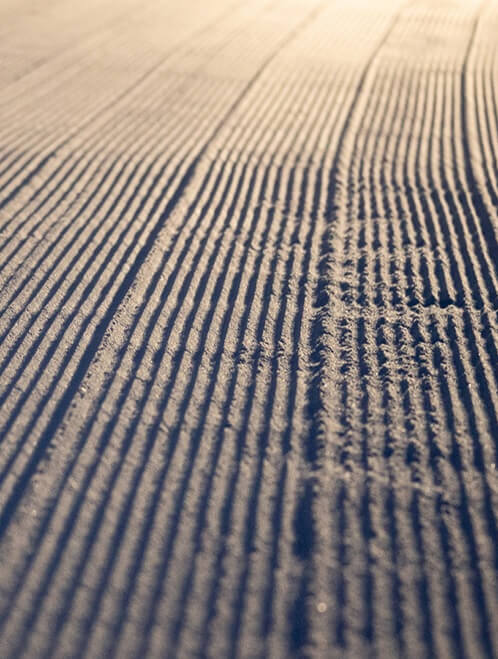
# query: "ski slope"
248 329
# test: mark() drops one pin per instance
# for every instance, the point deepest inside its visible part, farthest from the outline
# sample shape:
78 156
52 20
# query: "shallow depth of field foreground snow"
248 329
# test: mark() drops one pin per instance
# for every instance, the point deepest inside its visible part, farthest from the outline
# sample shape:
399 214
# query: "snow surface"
248 329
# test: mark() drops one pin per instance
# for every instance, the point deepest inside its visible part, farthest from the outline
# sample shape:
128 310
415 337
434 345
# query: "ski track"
248 329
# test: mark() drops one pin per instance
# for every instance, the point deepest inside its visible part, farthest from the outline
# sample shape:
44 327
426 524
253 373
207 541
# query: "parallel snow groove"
248 331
